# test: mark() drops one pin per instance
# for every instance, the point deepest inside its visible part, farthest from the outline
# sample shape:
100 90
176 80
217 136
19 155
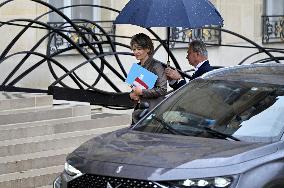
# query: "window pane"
54 17
274 7
82 12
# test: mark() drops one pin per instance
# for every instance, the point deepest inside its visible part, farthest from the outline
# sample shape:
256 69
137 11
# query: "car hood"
167 151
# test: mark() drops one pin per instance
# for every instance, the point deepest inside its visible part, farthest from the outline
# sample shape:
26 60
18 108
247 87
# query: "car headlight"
70 170
215 182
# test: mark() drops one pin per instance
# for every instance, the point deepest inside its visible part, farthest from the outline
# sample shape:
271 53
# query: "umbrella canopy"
170 13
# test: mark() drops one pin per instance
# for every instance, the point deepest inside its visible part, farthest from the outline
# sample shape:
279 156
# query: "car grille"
95 181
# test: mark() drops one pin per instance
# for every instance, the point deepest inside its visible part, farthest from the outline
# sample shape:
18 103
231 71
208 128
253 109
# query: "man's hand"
172 74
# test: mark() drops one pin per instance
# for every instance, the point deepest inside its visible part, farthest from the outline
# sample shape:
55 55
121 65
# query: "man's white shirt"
199 65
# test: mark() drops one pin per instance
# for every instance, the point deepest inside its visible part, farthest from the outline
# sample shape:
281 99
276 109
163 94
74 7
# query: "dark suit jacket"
205 67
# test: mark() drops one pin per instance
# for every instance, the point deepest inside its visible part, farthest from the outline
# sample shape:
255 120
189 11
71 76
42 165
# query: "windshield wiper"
213 132
168 127
207 129
219 134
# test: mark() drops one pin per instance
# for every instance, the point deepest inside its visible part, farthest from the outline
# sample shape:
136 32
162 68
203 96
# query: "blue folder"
142 74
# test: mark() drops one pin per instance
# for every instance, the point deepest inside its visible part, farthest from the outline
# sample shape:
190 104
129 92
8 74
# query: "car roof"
272 73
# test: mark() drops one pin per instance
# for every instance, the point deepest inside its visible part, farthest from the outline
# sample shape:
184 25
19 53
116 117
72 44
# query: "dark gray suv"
223 130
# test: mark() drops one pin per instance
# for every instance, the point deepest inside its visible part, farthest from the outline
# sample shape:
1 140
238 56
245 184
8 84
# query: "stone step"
26 162
16 132
16 100
44 122
50 142
37 133
39 169
57 112
31 179
47 186
23 162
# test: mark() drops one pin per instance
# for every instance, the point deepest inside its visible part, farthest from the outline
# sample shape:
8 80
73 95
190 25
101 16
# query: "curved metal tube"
96 48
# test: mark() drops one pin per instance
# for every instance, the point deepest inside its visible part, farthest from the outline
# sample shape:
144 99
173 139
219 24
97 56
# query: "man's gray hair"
199 46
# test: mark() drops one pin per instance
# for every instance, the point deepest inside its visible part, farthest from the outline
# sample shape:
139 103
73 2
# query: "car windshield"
230 110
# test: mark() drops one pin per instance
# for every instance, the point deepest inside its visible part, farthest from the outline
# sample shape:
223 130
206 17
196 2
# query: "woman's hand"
134 97
137 90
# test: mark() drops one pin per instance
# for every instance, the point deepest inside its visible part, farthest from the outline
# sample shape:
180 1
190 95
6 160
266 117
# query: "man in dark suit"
197 56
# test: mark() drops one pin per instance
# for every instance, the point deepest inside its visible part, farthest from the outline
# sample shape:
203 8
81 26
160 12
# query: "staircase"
37 132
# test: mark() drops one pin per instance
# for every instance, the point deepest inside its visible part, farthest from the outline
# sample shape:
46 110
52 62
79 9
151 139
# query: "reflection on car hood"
167 151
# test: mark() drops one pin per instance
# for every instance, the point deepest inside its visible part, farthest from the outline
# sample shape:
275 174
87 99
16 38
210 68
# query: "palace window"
98 21
180 36
273 21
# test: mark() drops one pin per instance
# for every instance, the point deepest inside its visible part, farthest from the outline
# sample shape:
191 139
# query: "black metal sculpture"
78 35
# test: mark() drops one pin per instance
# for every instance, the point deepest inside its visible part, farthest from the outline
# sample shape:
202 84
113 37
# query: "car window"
221 109
268 123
